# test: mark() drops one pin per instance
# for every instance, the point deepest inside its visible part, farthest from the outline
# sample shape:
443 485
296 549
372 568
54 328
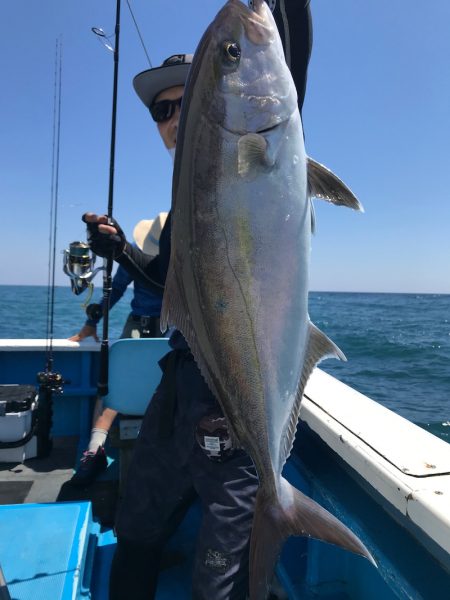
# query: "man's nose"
175 117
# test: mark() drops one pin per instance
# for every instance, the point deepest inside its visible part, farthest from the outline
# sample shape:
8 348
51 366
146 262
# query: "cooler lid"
16 398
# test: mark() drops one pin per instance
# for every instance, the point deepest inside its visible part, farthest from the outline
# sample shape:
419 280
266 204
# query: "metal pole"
102 386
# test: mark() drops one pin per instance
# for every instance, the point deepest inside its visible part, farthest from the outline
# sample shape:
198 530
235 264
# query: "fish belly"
248 255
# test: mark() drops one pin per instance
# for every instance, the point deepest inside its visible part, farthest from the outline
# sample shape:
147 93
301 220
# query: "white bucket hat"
146 234
172 72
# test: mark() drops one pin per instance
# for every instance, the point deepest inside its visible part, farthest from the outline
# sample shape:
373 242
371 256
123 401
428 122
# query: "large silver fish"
237 285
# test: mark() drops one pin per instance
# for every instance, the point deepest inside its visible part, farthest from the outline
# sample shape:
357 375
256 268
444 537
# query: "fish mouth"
264 130
274 125
269 129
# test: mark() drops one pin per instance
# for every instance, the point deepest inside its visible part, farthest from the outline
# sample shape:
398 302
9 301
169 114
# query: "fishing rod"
54 189
40 403
50 381
102 385
78 259
49 377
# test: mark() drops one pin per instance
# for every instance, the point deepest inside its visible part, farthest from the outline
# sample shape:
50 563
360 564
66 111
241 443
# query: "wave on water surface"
397 345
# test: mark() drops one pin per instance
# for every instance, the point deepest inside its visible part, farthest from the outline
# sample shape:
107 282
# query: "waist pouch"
213 437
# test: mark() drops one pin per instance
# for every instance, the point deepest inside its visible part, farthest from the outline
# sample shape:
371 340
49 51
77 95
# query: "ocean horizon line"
313 291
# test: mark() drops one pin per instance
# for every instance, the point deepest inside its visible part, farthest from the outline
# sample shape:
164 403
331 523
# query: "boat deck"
38 483
390 489
40 480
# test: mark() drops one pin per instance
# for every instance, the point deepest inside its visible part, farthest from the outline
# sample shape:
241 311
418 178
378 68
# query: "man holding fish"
233 263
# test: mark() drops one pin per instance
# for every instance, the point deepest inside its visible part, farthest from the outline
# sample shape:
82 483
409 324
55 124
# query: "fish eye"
232 51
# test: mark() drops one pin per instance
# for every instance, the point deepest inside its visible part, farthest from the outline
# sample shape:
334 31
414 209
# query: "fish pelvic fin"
292 514
319 347
324 184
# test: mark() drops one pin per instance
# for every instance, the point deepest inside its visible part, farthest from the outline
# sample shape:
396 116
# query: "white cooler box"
18 404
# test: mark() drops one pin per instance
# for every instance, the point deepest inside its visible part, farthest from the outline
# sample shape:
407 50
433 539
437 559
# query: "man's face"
168 129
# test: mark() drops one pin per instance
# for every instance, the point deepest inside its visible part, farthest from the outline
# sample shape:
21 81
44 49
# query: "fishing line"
139 34
54 190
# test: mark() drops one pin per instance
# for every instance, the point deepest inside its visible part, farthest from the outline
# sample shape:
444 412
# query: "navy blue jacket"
144 302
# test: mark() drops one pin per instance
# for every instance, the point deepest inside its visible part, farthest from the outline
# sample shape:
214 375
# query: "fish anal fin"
324 184
319 347
293 514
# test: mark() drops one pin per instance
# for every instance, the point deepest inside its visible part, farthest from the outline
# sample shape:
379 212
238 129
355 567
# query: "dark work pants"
165 475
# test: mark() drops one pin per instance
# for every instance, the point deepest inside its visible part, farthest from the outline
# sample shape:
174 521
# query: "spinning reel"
78 265
51 381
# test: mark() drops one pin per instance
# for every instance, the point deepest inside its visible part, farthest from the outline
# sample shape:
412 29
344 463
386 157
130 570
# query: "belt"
144 318
149 326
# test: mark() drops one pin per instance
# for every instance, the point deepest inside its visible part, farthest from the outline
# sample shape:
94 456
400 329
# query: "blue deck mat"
43 548
175 579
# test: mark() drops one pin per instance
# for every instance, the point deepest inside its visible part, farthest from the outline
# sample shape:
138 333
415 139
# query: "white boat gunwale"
407 467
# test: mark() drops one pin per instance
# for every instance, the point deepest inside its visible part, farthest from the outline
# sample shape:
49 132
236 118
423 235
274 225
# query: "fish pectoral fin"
252 151
324 184
292 514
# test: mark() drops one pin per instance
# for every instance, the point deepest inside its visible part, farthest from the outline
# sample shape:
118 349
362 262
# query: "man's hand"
106 240
85 331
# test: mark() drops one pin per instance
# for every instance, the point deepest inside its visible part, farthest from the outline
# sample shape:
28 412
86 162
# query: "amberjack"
237 284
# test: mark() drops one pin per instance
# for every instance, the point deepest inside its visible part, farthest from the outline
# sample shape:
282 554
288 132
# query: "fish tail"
293 514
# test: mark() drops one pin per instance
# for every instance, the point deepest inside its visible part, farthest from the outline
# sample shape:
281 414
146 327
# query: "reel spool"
79 266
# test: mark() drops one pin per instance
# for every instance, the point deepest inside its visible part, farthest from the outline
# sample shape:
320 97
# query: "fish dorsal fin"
252 151
324 184
319 347
174 312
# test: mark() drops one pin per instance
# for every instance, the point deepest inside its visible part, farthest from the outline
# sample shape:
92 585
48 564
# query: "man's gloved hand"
105 239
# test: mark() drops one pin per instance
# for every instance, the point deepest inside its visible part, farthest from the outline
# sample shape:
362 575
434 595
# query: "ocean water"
398 351
397 345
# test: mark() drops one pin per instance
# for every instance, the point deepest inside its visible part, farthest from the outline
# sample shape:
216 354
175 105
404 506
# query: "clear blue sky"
377 112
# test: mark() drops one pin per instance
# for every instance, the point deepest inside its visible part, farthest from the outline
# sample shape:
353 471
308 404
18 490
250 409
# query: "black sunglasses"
163 110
